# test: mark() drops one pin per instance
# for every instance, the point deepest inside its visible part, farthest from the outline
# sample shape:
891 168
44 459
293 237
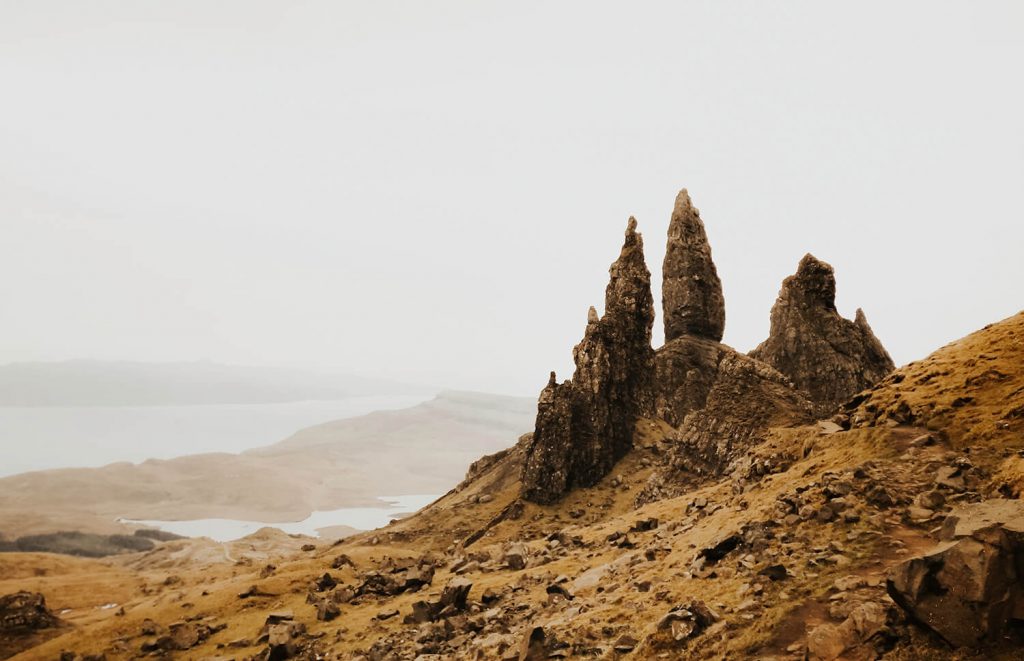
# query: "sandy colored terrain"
623 576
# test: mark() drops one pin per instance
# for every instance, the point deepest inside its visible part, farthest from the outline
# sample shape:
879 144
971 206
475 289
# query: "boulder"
397 581
326 610
540 644
180 636
516 556
342 561
829 641
968 588
325 582
455 593
280 642
680 624
452 600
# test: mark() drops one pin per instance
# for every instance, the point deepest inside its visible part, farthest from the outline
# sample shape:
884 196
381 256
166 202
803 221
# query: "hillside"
684 502
627 568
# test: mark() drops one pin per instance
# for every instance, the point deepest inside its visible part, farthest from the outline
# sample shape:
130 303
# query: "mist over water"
39 438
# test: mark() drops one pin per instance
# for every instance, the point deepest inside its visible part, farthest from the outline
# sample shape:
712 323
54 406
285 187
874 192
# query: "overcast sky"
433 191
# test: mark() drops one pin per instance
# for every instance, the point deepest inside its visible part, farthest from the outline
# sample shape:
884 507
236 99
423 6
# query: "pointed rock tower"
826 356
719 401
691 299
584 426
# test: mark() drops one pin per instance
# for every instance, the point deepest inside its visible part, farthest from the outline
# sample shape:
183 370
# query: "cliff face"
826 356
719 401
584 426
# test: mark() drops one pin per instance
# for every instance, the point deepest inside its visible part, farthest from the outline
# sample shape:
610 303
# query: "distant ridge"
101 383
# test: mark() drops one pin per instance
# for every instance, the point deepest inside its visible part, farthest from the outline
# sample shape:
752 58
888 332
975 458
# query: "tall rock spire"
826 356
692 299
584 426
628 295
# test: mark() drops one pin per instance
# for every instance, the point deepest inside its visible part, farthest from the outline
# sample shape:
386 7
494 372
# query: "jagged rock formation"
584 426
719 401
691 297
826 356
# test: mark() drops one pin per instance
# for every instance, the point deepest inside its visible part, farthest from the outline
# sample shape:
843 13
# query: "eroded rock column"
692 300
584 426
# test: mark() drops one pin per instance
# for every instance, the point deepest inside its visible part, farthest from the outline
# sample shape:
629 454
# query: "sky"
433 191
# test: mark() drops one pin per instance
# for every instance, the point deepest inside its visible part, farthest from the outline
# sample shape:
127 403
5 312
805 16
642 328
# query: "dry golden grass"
987 368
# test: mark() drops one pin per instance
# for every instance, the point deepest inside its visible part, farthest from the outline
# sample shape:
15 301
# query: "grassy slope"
987 367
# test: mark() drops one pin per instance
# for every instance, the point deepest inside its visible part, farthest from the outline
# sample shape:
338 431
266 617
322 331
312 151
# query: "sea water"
360 518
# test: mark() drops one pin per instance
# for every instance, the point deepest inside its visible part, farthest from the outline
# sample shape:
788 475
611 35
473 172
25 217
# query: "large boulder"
691 293
865 621
584 426
826 356
969 587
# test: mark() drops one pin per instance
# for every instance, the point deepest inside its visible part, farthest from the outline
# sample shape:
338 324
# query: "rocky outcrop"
25 612
546 473
826 356
721 403
691 298
584 426
970 587
25 621
694 374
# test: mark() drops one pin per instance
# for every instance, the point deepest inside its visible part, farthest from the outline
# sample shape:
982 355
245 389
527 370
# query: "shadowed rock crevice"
826 356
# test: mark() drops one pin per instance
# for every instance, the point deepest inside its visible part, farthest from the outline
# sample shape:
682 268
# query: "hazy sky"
434 191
